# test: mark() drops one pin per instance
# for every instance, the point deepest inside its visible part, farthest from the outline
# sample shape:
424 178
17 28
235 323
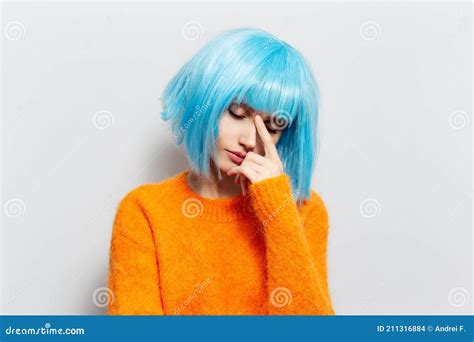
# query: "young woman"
240 232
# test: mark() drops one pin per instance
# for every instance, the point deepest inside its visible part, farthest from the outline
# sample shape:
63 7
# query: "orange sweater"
174 252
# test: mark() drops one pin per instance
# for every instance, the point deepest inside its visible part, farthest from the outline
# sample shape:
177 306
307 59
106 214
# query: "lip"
239 153
236 157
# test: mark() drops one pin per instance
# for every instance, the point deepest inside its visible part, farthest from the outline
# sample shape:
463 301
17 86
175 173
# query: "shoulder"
317 202
148 194
316 219
315 207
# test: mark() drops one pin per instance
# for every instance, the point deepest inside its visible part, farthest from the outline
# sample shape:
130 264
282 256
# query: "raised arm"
295 249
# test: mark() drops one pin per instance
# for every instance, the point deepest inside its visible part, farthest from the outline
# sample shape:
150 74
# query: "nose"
248 137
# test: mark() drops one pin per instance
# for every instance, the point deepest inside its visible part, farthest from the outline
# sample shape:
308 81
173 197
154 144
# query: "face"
238 135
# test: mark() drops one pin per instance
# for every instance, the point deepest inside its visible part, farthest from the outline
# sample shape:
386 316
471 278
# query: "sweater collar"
194 206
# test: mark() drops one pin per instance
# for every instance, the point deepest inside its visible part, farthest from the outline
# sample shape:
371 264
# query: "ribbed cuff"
271 196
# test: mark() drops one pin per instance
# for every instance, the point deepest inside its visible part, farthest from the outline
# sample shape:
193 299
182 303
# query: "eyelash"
236 116
243 117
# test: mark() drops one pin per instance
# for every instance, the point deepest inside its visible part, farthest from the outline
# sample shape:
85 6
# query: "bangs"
273 88
267 79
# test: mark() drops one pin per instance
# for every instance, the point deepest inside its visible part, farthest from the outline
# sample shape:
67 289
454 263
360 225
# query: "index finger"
268 144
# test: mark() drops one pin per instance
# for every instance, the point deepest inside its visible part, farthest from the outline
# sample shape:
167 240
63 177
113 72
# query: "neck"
213 187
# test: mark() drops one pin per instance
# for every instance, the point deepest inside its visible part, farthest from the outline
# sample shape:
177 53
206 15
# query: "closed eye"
238 117
235 115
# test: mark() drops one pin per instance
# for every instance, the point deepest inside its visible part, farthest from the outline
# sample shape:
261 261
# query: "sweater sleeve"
295 249
133 271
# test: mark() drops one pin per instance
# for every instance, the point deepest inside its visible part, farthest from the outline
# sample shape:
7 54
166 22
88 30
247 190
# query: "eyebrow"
247 108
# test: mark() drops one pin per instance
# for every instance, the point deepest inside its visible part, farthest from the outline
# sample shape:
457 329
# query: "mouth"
237 159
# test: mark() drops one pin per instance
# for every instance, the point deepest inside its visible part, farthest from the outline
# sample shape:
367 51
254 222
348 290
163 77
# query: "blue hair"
250 66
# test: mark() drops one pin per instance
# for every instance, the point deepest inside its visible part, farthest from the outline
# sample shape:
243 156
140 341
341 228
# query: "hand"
254 167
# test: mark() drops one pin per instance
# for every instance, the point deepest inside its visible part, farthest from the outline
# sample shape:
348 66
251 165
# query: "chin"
226 165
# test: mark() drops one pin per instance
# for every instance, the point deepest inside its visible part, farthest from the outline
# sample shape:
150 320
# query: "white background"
81 127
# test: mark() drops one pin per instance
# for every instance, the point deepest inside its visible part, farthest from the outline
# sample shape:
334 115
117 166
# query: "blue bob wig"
250 66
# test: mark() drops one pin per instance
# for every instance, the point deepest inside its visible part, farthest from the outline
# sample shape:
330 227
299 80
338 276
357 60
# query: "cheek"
222 130
227 130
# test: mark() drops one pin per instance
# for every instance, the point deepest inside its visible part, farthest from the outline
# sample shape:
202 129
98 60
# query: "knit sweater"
174 252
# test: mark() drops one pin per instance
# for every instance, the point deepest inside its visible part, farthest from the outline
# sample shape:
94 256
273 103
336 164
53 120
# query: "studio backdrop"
81 127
